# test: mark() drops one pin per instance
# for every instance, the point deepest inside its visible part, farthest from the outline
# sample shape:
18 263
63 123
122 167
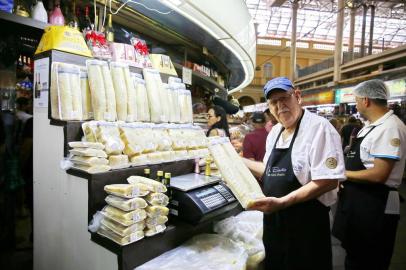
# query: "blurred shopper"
270 120
254 142
335 123
347 130
217 122
302 165
368 207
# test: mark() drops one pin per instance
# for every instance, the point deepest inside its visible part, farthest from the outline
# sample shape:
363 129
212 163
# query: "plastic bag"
141 99
126 204
154 85
137 139
128 239
122 217
120 89
120 229
127 190
109 134
202 252
162 138
89 130
87 110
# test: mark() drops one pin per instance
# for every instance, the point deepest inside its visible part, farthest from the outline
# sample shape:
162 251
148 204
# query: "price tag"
187 75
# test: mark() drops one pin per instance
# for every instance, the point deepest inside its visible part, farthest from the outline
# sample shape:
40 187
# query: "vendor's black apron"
298 237
360 223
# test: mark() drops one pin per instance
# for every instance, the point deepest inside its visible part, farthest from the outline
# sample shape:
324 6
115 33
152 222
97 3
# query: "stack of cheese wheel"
124 216
157 212
237 176
89 157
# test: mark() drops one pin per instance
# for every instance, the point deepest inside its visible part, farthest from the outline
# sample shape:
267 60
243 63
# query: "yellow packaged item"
127 190
63 38
122 217
120 229
163 63
154 221
93 169
88 152
131 238
93 145
155 198
153 185
126 204
157 210
155 230
89 161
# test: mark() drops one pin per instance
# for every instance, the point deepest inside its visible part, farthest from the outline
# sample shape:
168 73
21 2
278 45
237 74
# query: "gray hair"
374 89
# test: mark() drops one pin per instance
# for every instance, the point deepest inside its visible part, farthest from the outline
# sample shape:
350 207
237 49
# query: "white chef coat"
316 153
386 140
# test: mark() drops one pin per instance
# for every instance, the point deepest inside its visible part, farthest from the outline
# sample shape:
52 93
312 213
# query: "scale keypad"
213 200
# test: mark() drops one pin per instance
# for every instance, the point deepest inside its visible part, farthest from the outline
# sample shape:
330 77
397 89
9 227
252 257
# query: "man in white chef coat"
301 170
368 207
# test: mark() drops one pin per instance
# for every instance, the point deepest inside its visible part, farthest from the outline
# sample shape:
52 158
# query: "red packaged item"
97 43
141 53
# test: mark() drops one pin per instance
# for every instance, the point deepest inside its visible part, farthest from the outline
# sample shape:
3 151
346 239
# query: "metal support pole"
364 25
352 31
371 30
338 52
295 6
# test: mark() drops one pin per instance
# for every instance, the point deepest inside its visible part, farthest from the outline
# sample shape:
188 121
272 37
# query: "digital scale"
197 198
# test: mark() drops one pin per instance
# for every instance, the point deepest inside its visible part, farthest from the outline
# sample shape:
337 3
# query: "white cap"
374 89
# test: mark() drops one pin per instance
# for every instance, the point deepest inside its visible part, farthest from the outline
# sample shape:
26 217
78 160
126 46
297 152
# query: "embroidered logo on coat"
331 163
395 142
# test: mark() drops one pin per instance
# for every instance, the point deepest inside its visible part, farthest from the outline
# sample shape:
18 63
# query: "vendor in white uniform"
368 207
300 172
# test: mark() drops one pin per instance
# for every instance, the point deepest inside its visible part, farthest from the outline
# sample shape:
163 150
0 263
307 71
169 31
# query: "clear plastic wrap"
151 222
81 144
153 84
127 190
126 204
157 210
245 228
154 230
88 161
165 97
122 217
142 103
153 185
139 160
120 229
66 95
93 169
102 90
89 130
87 110
177 138
109 134
118 162
88 152
137 139
185 104
155 158
131 97
161 137
131 238
202 252
120 89
237 176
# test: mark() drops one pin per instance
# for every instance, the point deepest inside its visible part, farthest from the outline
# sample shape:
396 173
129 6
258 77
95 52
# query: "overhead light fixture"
173 2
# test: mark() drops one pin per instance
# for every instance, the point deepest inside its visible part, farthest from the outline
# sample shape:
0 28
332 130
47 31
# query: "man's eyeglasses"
284 98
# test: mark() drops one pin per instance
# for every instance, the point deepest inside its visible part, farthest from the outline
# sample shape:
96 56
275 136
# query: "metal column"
338 53
371 30
295 6
352 32
364 25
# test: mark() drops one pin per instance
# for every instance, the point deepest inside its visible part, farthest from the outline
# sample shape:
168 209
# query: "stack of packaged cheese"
128 217
157 212
89 157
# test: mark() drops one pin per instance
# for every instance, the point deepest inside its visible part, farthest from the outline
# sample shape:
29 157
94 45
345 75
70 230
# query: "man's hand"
267 204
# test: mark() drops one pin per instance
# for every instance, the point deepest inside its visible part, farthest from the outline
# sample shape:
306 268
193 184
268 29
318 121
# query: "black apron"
297 237
360 221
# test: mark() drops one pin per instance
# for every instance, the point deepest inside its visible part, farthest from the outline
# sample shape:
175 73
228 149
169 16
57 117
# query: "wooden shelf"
13 18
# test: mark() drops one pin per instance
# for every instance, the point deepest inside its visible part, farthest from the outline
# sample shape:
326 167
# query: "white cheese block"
126 204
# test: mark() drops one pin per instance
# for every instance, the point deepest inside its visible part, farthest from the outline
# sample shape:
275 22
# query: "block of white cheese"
128 190
88 152
89 161
156 198
120 88
155 230
109 134
97 88
128 239
118 161
154 221
80 144
237 176
123 217
157 210
142 103
87 110
120 229
153 185
153 84
131 97
111 112
126 204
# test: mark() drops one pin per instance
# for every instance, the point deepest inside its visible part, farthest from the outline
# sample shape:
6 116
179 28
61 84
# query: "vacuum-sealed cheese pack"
142 102
88 161
120 89
152 184
87 110
88 152
81 144
153 84
120 229
109 134
154 230
66 96
157 210
119 161
89 130
125 218
131 238
92 169
151 222
97 88
128 190
126 204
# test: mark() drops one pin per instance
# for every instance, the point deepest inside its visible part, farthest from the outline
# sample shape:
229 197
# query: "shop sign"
324 97
397 88
344 95
187 75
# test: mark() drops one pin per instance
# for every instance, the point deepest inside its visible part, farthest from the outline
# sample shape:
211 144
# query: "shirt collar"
380 120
